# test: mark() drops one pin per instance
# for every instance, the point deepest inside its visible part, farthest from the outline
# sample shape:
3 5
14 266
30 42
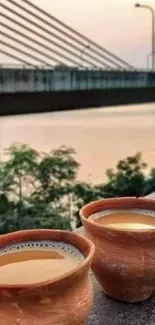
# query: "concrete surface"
110 312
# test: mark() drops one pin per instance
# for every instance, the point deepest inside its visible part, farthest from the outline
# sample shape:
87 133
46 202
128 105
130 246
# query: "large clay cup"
124 262
66 299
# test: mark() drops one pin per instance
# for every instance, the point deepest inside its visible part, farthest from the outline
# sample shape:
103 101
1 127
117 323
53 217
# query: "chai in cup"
35 262
126 219
44 274
123 231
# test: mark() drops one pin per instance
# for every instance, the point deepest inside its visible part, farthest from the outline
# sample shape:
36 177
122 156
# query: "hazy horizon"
114 24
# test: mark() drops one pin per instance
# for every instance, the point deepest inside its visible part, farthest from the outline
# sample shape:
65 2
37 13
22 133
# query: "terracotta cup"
124 262
64 300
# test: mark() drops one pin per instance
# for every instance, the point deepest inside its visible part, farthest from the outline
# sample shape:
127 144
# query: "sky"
115 24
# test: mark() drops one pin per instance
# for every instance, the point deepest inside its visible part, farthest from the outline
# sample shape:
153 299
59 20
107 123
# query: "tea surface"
32 265
127 219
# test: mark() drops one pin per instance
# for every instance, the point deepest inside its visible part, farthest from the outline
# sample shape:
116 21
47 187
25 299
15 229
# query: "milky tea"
129 219
35 262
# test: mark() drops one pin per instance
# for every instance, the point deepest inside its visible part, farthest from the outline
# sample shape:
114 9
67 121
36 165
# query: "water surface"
100 136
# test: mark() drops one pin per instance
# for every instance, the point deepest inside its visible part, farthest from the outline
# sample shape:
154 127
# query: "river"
100 136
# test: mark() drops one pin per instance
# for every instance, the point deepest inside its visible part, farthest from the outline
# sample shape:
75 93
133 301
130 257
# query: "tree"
20 171
35 189
83 194
32 217
150 182
128 180
56 173
42 191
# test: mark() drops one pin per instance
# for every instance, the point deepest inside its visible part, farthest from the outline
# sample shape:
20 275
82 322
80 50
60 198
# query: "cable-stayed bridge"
55 67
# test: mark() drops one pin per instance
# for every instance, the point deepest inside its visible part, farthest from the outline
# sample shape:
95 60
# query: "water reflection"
100 136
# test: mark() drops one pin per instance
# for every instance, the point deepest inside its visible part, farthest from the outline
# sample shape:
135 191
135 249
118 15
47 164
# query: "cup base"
130 300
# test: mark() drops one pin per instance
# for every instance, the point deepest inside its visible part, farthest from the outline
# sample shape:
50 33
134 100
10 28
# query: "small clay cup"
64 300
124 262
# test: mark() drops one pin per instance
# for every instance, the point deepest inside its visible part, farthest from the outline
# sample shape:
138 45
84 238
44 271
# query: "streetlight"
138 5
148 59
83 52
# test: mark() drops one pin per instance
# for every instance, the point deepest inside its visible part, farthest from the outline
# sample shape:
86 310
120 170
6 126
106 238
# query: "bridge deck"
19 80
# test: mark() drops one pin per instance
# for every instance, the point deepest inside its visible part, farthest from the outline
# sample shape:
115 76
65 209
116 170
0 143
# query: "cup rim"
145 203
78 268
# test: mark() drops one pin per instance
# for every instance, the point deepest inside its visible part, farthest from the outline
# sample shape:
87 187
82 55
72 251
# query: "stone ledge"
109 312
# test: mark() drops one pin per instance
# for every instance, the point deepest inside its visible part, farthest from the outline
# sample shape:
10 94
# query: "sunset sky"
115 24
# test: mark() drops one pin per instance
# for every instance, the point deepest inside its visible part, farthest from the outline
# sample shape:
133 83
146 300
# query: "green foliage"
19 171
35 188
128 179
57 172
42 191
83 194
150 182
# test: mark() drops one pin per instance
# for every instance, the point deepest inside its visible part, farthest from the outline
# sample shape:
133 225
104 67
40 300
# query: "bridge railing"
44 80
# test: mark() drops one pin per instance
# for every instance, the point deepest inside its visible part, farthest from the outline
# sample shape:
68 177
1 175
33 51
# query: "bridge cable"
56 36
30 47
64 33
41 36
16 57
25 53
77 33
33 40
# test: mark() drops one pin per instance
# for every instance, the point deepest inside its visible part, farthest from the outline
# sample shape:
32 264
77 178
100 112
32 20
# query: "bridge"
56 68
